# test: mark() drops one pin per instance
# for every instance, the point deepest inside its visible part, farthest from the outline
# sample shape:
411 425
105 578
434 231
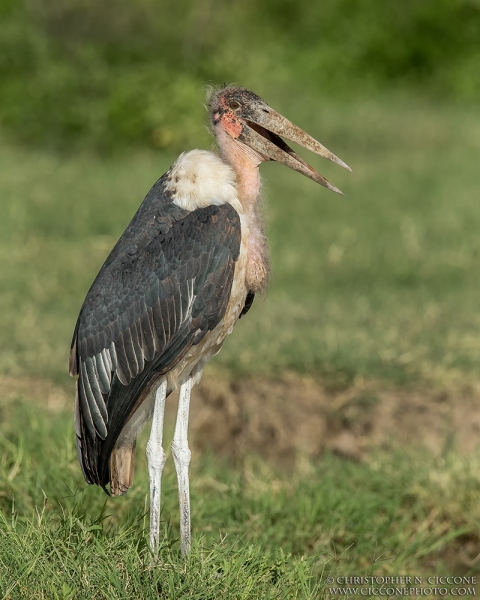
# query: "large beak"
262 130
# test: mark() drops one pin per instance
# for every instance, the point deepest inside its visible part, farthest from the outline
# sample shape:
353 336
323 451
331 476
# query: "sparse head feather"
227 99
211 89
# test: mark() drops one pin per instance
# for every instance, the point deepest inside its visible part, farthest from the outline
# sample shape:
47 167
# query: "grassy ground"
382 284
258 532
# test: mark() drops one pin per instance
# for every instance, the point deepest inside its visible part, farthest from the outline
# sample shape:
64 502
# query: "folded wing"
155 297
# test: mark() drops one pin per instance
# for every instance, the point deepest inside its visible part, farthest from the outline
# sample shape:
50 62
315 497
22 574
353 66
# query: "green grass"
258 532
382 283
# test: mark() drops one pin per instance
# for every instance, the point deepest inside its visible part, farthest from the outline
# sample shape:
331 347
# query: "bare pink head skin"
249 132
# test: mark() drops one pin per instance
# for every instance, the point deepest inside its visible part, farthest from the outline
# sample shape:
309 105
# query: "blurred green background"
115 73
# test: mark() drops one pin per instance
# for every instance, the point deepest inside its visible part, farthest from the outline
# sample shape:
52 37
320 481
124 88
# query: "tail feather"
122 466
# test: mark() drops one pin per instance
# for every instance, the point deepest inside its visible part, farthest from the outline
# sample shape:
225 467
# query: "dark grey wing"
146 308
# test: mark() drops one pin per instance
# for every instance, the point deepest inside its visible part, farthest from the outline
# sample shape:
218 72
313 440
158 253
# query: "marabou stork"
184 271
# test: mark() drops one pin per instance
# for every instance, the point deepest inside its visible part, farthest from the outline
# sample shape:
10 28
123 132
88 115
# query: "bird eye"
234 105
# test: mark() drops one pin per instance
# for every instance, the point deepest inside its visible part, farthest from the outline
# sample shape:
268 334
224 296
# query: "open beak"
261 131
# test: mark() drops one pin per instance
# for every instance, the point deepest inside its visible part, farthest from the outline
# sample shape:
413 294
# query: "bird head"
248 120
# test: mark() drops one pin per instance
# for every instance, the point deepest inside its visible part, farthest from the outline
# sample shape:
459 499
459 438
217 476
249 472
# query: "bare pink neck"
245 162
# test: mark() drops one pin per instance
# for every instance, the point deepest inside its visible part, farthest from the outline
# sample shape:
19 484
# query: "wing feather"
94 400
159 325
122 367
135 330
156 339
107 361
130 352
112 352
103 375
85 407
146 332
92 375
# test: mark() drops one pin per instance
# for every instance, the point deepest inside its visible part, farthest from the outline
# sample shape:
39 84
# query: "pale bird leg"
181 457
156 461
